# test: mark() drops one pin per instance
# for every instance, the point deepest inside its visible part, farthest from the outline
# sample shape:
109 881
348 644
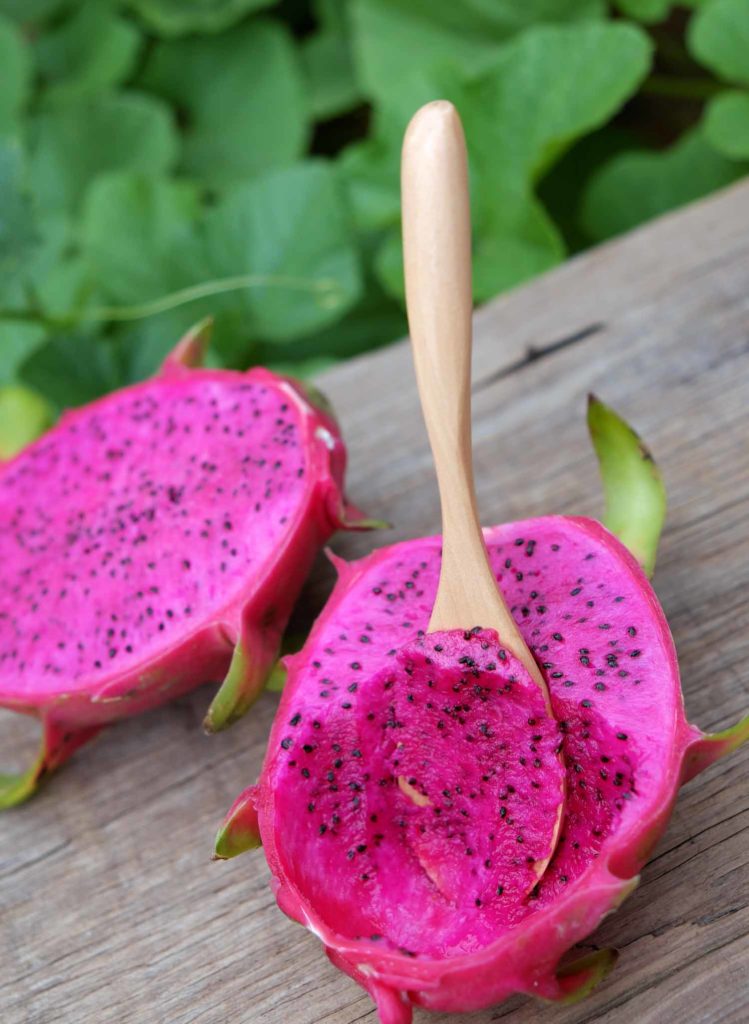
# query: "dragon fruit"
406 800
155 540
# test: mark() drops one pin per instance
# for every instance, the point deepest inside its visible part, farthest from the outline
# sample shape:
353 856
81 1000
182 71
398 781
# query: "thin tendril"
327 288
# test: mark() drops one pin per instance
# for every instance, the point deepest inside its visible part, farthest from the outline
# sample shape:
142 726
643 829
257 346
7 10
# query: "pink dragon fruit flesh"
407 805
156 539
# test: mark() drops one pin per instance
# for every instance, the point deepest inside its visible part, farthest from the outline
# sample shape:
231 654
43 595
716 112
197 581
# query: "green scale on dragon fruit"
155 540
407 801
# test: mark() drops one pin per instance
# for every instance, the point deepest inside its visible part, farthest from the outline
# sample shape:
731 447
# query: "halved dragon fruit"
407 800
155 540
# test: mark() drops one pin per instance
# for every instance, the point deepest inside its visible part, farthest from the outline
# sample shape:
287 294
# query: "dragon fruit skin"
613 677
146 549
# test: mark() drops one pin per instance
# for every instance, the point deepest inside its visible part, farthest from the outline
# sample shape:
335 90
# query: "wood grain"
110 910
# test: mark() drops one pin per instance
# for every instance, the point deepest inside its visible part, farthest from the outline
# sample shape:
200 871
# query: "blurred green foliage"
162 160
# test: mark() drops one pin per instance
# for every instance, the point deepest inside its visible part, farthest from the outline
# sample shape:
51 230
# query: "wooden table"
110 907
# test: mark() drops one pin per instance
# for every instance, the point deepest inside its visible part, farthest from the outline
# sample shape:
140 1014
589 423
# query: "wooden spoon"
437 255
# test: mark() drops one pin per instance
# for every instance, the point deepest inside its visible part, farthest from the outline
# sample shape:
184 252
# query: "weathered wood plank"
109 907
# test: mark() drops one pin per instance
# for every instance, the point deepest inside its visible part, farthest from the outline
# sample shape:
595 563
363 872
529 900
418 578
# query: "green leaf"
17 342
15 77
370 172
637 186
244 96
545 88
549 87
375 320
718 37
328 63
515 241
144 344
178 17
395 39
75 143
18 235
54 274
133 230
561 191
24 415
727 124
28 11
519 240
73 369
141 242
277 251
273 260
648 11
292 227
94 49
